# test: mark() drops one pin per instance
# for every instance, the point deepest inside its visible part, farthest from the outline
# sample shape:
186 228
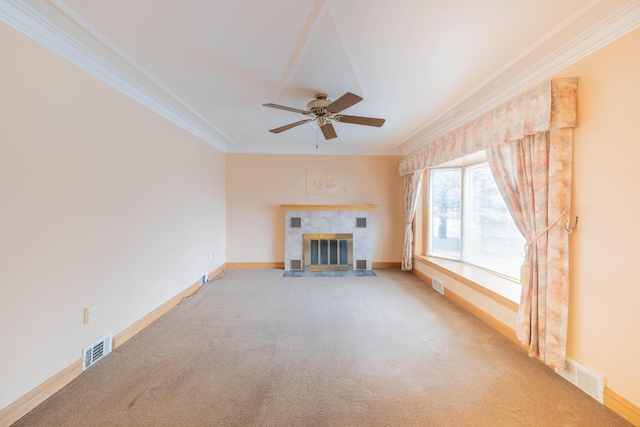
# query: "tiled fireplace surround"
327 219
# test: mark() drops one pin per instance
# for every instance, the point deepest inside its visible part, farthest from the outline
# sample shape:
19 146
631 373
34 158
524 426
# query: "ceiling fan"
324 111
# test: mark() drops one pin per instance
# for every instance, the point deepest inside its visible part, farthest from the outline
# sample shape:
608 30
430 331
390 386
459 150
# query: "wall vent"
96 351
361 264
361 222
583 378
296 264
296 222
438 285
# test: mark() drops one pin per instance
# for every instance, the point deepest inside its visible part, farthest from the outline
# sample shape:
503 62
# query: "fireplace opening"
328 252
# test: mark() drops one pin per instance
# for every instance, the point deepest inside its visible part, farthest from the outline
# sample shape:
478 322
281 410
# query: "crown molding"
54 25
598 23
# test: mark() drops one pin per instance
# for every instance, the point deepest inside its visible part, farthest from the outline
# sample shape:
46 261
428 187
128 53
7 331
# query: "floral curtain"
549 106
527 138
534 178
412 184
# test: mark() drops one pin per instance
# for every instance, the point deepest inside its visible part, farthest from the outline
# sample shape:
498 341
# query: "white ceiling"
426 66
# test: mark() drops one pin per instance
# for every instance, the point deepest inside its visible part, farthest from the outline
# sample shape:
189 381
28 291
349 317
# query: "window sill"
500 289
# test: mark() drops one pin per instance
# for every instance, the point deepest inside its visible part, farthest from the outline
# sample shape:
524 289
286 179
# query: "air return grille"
361 222
584 378
296 264
437 285
96 351
296 222
361 264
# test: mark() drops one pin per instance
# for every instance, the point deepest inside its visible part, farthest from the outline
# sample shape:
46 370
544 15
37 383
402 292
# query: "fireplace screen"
328 251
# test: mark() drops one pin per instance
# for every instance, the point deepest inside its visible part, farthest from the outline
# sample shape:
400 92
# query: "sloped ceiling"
426 66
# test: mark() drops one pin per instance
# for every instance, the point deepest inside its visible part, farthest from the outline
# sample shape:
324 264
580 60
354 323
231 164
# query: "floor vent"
361 264
96 351
583 378
438 285
296 264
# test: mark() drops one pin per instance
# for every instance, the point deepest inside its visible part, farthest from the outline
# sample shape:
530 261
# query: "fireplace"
327 252
328 237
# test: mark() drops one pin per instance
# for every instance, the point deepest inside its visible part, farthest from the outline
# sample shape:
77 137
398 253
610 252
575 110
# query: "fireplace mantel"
328 207
353 220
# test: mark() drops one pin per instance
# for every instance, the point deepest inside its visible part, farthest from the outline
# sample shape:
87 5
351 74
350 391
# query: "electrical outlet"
90 314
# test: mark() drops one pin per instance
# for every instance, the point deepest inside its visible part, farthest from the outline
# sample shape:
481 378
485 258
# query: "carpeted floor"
257 349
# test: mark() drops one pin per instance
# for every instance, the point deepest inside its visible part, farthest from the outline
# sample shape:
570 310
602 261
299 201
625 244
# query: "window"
446 213
470 222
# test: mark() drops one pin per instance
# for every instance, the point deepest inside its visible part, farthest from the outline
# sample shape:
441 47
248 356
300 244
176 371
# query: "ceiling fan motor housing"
318 107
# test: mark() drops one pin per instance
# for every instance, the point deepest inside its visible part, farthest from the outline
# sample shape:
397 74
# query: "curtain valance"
549 106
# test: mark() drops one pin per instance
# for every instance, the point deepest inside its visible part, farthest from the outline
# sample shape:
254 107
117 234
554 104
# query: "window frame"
426 250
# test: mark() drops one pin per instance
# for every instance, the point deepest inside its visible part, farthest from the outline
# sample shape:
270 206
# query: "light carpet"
257 349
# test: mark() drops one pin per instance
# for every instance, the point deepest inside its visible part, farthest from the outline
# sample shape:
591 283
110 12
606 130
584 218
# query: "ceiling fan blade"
357 120
328 131
345 101
282 107
291 125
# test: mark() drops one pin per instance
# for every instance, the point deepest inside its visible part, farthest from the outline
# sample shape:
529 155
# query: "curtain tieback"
532 241
525 270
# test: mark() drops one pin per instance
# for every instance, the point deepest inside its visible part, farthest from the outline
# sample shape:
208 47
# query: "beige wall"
605 295
258 184
101 202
